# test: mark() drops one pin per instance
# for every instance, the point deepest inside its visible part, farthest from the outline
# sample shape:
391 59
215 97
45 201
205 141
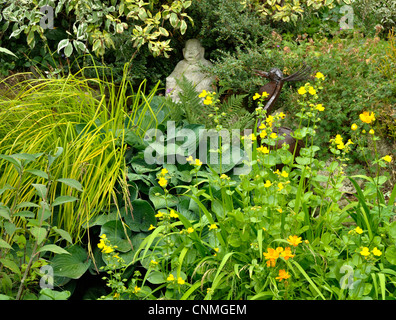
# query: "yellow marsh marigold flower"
273 135
387 158
160 214
311 91
283 275
371 131
269 119
173 214
281 115
267 184
151 227
263 134
171 277
319 75
265 94
252 137
180 281
367 117
280 186
164 171
320 107
302 91
376 252
294 240
208 101
213 226
101 244
136 289
365 251
354 127
203 94
284 174
189 159
190 230
358 230
256 96
263 149
198 162
162 182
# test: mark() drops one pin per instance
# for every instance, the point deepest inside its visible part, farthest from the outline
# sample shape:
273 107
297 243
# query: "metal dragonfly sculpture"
273 88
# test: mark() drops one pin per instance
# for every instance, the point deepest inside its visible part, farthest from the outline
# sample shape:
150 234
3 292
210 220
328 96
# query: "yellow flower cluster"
195 162
164 215
208 97
367 117
162 181
258 96
365 252
307 88
273 254
171 278
103 244
338 141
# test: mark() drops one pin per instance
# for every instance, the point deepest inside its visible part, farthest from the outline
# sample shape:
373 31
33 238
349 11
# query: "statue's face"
192 52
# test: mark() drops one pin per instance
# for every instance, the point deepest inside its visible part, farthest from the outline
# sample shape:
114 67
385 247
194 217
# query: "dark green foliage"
191 108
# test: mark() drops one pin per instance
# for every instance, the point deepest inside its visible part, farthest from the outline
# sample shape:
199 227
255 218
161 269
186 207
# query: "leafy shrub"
262 235
27 233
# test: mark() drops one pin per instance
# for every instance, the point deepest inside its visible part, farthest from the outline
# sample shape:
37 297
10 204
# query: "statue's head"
193 50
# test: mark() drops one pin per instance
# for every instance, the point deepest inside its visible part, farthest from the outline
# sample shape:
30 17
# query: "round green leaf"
114 231
72 265
156 195
142 216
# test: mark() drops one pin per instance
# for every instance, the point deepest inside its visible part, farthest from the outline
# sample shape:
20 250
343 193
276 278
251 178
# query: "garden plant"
109 190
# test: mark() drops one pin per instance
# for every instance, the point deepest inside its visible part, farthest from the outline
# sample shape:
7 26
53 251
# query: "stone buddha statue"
190 68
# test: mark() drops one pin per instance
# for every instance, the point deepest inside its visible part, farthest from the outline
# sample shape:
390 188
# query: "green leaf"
5 213
10 265
156 277
68 49
64 234
390 255
53 248
183 27
117 236
4 244
38 233
27 205
72 265
6 51
157 197
38 173
41 190
62 44
52 158
173 19
71 183
48 294
63 199
142 216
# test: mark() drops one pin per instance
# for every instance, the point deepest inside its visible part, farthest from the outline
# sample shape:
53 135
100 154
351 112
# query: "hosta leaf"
72 265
